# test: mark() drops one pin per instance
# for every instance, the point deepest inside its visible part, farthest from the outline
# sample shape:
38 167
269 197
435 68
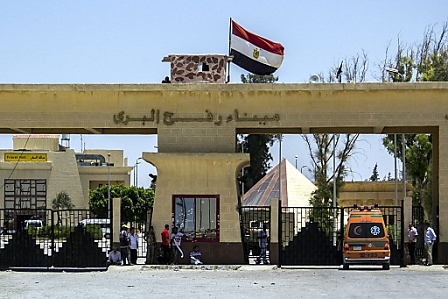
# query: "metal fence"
310 236
252 220
45 238
418 219
142 228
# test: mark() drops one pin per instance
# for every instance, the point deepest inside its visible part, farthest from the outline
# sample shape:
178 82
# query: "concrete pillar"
407 214
116 225
407 211
193 174
273 232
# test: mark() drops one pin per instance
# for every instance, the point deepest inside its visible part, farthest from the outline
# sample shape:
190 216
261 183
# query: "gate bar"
279 234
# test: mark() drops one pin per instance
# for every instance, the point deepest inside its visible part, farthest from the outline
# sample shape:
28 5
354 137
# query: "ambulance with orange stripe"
366 241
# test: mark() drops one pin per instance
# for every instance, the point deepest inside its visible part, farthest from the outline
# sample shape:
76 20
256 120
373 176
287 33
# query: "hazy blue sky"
124 42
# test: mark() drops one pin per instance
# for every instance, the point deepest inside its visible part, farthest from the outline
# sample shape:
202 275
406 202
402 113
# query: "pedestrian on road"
133 245
124 244
430 238
412 240
166 244
263 244
150 238
176 239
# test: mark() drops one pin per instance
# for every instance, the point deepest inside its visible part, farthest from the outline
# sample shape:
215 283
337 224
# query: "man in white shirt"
133 245
176 239
412 240
430 238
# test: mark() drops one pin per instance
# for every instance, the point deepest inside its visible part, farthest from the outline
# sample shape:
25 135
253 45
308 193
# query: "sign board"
25 157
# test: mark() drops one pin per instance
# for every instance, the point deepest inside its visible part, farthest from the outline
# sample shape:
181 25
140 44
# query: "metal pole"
108 186
136 174
334 192
137 161
396 189
296 163
403 149
280 169
242 172
279 263
395 170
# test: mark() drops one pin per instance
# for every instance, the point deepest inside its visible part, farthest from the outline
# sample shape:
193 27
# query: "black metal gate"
393 218
252 219
310 236
50 239
314 235
142 228
418 218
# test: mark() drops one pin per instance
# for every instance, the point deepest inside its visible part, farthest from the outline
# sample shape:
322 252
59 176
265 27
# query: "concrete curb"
432 268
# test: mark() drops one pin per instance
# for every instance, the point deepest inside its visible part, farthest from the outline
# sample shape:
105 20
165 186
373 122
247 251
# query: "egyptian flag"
254 53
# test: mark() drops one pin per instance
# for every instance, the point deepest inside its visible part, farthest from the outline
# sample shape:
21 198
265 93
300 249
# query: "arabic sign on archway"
169 118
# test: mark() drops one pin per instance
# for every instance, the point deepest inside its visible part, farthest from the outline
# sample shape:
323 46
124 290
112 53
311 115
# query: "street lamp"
136 171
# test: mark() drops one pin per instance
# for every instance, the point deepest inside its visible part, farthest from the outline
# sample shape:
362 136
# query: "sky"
124 42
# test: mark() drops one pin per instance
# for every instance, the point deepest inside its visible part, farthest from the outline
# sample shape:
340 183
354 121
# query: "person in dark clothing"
124 244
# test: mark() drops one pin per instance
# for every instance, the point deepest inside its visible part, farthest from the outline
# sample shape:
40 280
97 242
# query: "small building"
195 68
38 167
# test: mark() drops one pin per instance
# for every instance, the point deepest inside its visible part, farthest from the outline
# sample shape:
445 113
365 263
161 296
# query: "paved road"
231 282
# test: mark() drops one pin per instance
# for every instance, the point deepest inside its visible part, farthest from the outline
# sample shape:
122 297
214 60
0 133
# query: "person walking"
150 238
133 245
412 241
165 234
430 238
263 244
176 239
124 244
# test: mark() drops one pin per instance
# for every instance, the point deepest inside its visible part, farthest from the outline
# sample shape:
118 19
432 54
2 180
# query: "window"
204 67
25 194
366 230
197 216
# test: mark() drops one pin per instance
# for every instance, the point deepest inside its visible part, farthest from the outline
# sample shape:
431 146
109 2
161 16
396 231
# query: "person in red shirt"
166 244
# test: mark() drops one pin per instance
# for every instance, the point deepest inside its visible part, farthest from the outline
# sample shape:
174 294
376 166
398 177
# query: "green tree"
257 145
62 201
425 61
135 201
320 146
375 175
418 156
321 152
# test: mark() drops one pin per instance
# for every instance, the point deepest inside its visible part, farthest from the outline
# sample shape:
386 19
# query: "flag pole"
228 61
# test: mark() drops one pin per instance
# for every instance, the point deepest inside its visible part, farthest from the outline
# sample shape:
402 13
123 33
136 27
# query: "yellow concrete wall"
369 193
36 142
65 177
198 174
